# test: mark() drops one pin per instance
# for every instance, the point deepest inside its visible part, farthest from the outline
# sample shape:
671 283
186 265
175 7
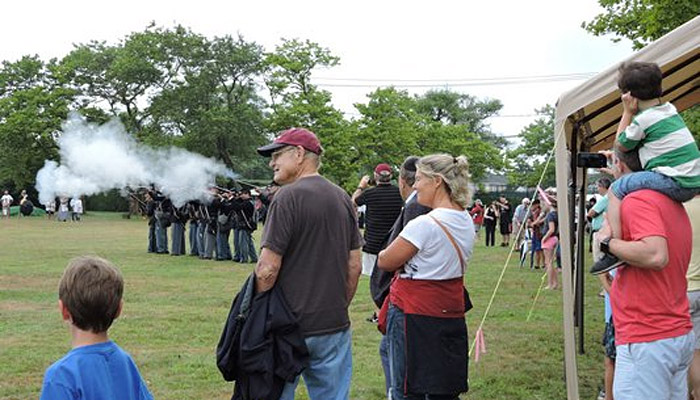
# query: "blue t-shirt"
98 371
600 207
608 308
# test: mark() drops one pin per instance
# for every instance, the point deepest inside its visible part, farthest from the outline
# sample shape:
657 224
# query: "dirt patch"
21 282
22 306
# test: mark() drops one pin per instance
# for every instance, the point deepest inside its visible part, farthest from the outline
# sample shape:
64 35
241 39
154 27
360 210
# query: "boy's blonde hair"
454 171
91 289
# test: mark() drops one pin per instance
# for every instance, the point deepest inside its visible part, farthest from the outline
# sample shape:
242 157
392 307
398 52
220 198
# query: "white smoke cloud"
95 159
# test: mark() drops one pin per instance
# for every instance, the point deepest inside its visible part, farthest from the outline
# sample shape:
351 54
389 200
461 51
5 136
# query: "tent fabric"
586 119
595 105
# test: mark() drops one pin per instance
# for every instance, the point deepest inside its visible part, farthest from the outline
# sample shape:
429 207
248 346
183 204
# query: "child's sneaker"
605 264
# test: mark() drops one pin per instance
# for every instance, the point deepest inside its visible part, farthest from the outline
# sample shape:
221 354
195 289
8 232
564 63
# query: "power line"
577 75
357 114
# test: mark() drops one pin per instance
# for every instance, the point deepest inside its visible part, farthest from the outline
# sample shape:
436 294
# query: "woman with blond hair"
424 316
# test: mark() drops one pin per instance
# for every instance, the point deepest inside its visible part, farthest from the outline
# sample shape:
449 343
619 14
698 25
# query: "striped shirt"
384 205
665 144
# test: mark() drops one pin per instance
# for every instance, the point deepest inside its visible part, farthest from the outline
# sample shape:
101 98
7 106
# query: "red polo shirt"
650 305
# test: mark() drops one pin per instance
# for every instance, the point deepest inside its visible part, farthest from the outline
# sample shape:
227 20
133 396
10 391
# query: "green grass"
175 308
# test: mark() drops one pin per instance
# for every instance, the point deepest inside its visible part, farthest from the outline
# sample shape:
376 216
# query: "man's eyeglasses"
281 151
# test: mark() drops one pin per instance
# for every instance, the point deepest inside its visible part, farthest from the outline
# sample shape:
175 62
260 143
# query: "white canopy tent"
586 119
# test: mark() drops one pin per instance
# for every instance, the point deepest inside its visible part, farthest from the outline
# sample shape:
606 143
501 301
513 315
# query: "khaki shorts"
368 261
694 301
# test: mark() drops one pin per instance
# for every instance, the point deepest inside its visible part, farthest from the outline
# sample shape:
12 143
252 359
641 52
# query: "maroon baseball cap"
293 137
383 167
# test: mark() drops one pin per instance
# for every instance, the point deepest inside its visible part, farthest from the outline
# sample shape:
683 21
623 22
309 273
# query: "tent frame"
586 120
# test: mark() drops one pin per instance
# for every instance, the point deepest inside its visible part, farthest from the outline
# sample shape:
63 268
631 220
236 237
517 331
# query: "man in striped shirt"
384 205
667 150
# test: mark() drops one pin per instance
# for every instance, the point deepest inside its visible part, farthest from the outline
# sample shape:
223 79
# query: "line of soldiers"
210 225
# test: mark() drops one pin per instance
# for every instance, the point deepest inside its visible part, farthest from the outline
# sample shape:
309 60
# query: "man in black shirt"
384 205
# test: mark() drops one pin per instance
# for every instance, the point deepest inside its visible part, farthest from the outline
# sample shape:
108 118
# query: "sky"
482 48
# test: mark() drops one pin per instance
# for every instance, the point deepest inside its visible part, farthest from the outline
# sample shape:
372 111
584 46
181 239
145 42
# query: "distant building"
494 183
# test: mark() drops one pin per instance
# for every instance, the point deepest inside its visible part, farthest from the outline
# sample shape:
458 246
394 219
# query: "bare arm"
629 107
396 255
606 281
354 271
649 252
592 213
550 231
360 187
267 270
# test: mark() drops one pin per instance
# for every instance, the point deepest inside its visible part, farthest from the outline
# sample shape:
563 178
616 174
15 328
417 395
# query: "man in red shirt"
653 332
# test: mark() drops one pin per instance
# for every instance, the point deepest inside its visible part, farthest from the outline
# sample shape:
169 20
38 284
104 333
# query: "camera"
591 160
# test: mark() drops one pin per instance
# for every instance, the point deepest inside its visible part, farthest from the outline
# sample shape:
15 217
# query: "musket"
222 189
133 196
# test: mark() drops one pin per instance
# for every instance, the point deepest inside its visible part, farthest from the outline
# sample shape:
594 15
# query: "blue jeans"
396 334
152 238
384 356
330 368
654 370
634 181
161 237
247 246
194 246
237 245
201 228
223 250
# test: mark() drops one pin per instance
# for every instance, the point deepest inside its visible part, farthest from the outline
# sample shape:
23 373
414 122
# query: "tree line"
224 96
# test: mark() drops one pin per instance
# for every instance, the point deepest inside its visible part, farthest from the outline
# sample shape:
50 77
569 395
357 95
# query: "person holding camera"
384 205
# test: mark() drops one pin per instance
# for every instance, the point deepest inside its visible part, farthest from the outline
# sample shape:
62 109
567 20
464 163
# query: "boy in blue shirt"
90 298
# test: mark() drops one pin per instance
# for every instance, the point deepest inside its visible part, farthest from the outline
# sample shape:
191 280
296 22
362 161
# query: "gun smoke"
99 158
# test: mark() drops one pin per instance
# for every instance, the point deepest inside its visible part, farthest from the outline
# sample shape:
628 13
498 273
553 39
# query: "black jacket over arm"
261 347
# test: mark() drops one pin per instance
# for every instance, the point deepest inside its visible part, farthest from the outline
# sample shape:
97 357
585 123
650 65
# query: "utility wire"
577 75
433 83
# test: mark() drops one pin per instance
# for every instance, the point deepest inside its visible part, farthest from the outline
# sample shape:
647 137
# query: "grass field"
175 308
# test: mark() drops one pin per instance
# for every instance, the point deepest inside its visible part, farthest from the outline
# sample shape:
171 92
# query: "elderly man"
653 332
519 217
311 249
383 207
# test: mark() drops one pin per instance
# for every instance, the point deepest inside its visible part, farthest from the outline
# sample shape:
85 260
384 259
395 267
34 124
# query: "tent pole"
580 257
573 145
563 172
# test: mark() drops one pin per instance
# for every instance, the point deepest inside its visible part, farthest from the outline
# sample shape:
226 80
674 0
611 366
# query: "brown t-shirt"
313 225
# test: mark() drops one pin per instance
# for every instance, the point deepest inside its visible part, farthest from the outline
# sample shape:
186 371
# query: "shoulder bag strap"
452 239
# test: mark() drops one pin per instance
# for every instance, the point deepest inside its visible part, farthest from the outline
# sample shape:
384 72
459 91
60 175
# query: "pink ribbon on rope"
544 196
480 346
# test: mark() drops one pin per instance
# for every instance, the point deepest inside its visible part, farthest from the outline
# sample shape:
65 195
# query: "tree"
297 102
215 109
33 104
641 21
389 129
526 164
394 125
453 108
123 78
